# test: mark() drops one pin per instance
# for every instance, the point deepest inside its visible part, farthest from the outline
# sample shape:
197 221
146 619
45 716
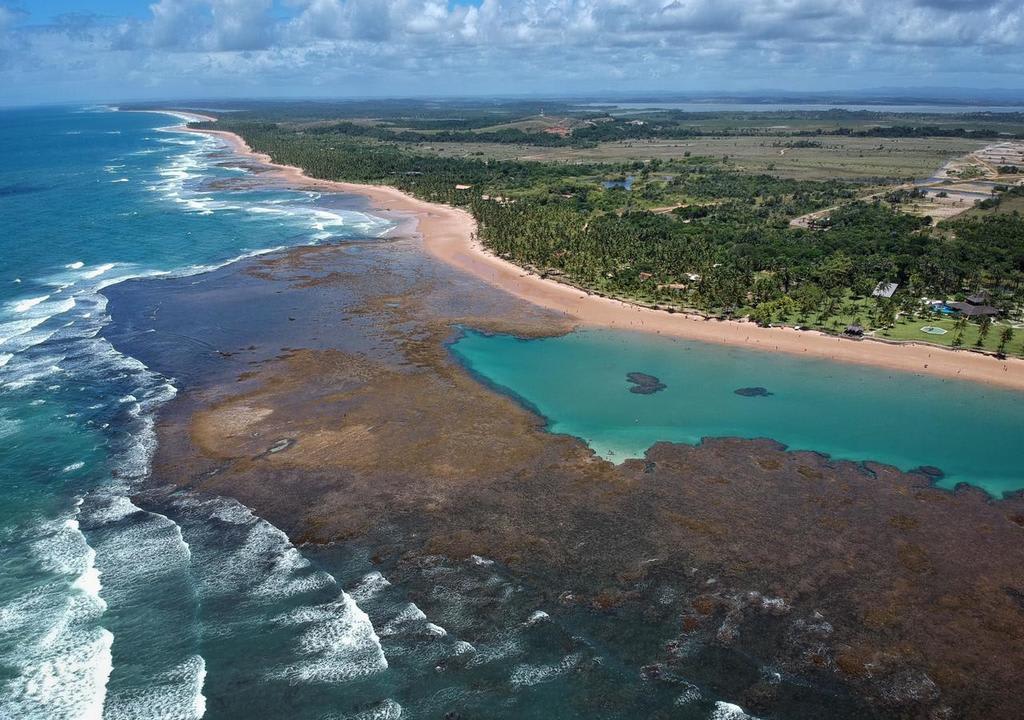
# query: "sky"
55 51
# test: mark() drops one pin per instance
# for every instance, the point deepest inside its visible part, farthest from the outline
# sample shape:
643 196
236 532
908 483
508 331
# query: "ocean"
106 609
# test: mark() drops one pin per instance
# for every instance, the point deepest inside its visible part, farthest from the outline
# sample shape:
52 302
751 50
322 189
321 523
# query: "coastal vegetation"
693 232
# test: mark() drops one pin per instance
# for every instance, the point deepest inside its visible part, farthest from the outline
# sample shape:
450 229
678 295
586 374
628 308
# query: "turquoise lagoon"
973 433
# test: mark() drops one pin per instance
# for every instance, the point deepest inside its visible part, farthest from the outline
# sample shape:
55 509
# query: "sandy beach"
449 234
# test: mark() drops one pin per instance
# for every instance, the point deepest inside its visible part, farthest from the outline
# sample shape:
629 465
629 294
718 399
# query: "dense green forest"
720 242
512 136
454 121
608 129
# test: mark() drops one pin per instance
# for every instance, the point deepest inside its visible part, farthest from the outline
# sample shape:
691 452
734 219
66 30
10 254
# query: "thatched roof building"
972 310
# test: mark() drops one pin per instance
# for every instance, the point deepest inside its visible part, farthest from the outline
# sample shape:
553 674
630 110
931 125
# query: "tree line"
727 246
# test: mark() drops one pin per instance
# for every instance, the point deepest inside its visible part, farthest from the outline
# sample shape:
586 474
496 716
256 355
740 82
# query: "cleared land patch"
845 158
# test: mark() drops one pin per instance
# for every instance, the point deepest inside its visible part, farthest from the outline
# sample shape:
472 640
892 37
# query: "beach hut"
854 330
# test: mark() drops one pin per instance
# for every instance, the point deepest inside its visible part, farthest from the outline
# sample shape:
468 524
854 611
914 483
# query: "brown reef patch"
861 579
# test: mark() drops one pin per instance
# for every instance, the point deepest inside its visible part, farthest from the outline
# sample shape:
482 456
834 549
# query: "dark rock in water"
753 392
20 189
931 471
644 384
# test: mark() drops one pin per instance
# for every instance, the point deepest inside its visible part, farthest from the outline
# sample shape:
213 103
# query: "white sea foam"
461 647
408 615
728 711
19 335
435 630
196 269
98 270
500 648
30 371
176 694
135 459
265 562
526 675
537 617
143 553
387 710
16 328
63 662
77 265
369 586
256 566
20 306
94 109
178 174
337 643
114 280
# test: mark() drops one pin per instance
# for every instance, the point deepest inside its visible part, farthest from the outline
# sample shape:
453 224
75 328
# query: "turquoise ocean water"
107 610
972 433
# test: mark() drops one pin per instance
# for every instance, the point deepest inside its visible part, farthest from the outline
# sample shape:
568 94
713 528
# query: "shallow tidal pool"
580 383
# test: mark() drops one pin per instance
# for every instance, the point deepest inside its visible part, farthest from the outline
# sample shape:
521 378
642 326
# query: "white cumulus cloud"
435 46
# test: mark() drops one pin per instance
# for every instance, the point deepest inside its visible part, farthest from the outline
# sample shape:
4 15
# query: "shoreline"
449 235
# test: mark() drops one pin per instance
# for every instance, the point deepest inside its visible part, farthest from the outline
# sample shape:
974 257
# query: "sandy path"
449 235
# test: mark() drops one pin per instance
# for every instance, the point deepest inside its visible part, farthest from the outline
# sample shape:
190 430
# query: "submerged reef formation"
644 384
753 392
788 583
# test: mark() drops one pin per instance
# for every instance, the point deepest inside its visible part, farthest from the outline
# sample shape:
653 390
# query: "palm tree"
1004 339
960 325
984 325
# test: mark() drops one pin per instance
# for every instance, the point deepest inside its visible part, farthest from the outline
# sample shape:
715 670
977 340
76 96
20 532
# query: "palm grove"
691 233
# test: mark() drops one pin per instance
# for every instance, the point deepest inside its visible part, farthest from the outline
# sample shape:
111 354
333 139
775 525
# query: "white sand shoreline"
449 233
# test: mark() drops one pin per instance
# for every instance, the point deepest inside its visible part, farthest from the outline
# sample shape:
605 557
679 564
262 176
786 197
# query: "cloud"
241 24
201 26
7 16
434 46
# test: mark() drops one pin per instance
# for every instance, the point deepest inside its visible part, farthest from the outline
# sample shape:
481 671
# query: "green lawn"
862 310
911 330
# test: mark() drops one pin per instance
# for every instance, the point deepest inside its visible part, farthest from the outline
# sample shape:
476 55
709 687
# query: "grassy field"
911 330
795 121
844 158
1008 204
862 310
